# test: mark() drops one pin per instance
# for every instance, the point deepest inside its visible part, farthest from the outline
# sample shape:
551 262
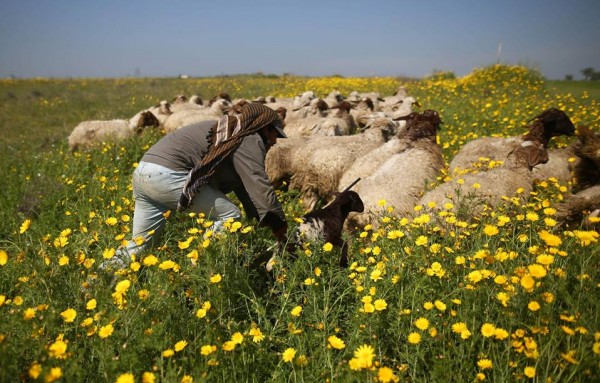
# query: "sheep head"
366 101
343 106
220 96
164 108
555 123
530 153
180 99
421 125
221 106
418 129
143 120
432 116
349 201
319 105
195 99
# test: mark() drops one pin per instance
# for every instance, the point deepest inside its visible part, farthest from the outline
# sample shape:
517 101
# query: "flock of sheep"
394 151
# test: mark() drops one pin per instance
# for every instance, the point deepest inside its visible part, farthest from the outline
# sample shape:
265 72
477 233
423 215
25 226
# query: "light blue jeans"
156 190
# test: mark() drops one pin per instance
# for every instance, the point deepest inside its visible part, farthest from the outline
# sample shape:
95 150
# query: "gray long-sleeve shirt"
243 172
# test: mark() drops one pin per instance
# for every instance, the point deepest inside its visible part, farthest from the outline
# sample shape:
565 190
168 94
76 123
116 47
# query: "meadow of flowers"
508 296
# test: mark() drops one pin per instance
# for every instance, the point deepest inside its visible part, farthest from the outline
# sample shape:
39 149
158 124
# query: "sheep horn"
352 184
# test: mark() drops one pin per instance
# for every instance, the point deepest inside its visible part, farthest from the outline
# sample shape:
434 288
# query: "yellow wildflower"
296 311
68 315
180 345
288 355
336 342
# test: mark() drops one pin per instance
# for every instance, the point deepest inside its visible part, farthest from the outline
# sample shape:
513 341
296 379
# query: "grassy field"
505 297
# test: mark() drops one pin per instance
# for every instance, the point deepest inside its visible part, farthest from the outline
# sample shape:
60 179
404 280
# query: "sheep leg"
344 256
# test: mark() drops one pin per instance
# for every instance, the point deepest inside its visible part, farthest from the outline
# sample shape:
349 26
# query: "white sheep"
341 123
90 133
472 193
554 122
362 111
366 165
302 122
402 177
314 165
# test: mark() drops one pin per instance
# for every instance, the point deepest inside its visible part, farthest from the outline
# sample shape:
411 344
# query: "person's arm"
249 163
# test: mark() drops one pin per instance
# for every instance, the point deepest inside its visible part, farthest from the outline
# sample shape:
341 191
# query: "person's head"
271 133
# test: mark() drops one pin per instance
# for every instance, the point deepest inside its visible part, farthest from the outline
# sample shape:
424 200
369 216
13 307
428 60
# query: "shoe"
113 264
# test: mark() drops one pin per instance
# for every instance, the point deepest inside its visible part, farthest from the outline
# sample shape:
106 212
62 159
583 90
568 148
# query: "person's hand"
280 234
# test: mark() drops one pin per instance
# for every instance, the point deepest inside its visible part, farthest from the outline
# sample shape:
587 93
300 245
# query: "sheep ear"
536 156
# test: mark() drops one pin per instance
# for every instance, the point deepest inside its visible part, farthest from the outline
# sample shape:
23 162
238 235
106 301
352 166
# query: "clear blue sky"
80 38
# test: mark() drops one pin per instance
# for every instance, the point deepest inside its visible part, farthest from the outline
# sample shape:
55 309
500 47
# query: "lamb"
314 165
554 122
192 116
475 192
401 178
89 133
326 224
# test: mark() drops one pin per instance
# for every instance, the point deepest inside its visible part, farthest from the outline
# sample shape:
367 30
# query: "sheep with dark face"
473 193
90 133
220 96
326 224
553 123
402 173
362 111
365 166
341 123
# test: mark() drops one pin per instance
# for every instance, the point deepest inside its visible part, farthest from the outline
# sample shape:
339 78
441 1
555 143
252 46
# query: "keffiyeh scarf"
225 137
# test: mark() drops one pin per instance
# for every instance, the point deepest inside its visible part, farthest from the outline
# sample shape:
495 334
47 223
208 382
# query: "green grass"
579 89
422 301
